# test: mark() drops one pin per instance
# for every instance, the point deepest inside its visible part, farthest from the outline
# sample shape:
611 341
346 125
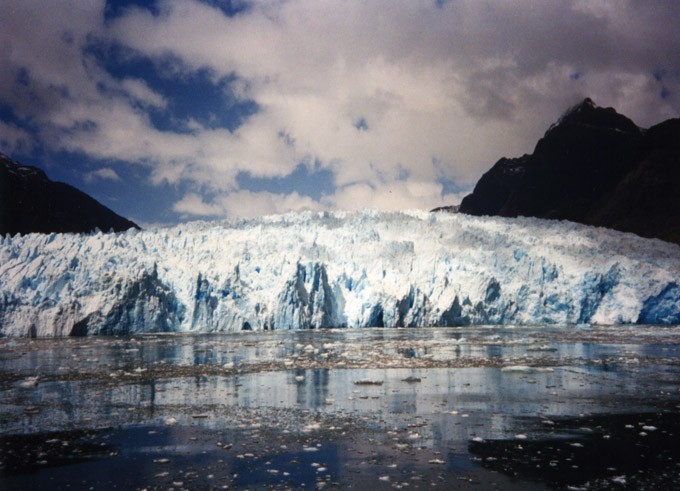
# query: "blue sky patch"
197 95
361 124
230 8
122 195
116 8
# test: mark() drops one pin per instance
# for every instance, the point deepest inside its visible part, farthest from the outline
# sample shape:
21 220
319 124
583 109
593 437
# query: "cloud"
140 92
466 83
245 204
14 139
394 195
391 98
105 173
193 205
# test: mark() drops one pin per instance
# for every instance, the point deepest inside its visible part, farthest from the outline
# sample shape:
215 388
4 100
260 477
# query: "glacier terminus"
335 269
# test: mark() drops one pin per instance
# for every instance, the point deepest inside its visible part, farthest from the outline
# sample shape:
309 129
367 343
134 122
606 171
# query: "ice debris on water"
411 379
340 269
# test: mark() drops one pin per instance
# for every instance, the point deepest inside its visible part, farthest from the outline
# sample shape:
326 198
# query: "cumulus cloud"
392 97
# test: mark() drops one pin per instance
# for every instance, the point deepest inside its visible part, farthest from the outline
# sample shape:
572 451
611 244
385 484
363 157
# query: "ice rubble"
312 270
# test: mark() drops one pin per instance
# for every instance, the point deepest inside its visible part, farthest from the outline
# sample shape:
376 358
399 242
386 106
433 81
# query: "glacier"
335 269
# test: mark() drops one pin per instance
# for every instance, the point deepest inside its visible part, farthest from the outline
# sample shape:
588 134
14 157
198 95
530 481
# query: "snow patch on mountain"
342 269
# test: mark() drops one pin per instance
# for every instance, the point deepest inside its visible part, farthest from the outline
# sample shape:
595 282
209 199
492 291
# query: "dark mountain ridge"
594 166
31 202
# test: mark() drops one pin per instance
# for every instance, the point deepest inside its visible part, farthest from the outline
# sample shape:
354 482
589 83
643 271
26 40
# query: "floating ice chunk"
312 427
516 368
29 382
368 381
411 379
526 368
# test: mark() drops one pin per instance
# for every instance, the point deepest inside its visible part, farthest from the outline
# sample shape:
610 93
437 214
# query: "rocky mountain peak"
594 166
588 114
31 202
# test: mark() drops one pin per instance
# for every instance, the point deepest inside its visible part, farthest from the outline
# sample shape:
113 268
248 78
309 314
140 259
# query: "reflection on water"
284 409
631 451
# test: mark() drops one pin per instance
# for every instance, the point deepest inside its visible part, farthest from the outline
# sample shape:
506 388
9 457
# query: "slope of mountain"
594 166
30 202
313 270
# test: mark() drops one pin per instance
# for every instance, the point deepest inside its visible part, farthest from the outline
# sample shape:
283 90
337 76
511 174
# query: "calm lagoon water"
489 407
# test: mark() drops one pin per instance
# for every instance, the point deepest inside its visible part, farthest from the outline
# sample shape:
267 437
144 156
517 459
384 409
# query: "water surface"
504 408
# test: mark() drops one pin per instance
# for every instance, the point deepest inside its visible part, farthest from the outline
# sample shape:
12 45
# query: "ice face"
313 270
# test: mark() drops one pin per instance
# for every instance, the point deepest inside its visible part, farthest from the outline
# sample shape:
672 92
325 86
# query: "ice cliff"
313 270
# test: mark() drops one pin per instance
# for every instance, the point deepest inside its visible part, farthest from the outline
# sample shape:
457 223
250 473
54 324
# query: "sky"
175 110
